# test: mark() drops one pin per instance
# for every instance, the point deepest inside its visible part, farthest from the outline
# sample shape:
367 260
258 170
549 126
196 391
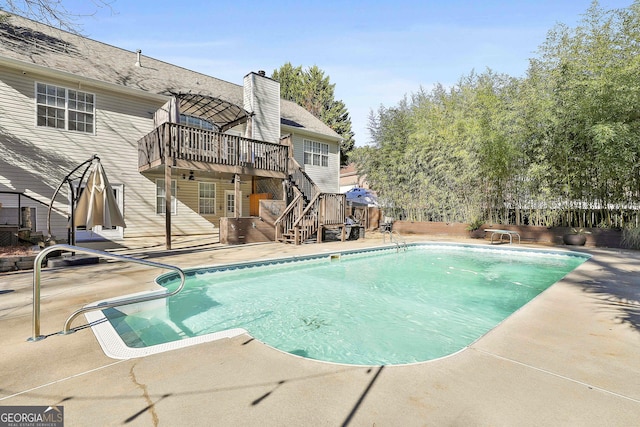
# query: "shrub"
475 224
631 238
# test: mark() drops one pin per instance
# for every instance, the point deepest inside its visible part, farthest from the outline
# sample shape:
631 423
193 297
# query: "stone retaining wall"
16 262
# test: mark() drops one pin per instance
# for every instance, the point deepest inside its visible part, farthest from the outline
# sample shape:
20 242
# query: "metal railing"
21 194
399 240
37 267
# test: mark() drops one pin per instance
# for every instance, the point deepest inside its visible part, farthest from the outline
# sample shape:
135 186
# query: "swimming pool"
377 306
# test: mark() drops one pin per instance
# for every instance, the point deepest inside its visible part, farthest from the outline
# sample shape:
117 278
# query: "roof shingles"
31 42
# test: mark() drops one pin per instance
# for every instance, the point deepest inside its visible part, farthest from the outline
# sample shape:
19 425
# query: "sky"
375 52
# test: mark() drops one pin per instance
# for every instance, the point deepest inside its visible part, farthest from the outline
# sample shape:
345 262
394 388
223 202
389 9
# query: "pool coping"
571 357
114 347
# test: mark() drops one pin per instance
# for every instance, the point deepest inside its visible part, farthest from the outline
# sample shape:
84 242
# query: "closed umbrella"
97 204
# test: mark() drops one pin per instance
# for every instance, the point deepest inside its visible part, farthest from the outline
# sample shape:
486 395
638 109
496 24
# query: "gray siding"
36 159
24 165
327 178
262 97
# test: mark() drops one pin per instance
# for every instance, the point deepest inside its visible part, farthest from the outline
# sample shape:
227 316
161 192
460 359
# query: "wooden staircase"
310 210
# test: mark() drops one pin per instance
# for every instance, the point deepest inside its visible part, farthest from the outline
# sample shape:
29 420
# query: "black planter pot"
574 239
476 234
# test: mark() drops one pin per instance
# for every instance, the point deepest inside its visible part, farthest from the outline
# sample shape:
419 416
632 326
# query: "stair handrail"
290 205
37 266
23 194
289 211
311 205
307 183
310 212
303 183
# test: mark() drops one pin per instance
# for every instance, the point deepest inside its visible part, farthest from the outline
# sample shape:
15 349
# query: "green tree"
592 140
291 82
314 91
449 154
560 146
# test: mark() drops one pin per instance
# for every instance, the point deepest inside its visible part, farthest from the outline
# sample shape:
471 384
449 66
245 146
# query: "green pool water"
381 307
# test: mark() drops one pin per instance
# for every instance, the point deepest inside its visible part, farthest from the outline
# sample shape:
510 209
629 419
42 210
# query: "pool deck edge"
569 357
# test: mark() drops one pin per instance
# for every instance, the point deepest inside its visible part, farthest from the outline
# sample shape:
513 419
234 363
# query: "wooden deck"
199 149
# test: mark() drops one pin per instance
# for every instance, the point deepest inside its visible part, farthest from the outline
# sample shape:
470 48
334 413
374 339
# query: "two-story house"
213 148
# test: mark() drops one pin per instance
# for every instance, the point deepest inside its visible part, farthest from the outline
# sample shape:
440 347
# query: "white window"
63 108
196 122
207 198
316 153
161 197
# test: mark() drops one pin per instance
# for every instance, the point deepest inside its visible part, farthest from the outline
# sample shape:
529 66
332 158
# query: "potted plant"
475 228
577 237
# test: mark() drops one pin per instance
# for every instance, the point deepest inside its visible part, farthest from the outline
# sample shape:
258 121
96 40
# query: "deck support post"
167 193
236 196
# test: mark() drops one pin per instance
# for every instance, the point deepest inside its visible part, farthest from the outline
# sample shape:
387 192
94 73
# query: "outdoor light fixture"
191 176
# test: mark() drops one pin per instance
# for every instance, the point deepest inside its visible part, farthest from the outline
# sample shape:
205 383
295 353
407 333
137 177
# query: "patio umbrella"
362 196
97 204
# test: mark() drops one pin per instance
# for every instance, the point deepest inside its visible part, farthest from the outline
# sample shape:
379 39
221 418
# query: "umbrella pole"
73 201
71 235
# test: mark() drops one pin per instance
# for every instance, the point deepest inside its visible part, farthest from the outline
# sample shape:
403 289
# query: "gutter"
293 130
27 67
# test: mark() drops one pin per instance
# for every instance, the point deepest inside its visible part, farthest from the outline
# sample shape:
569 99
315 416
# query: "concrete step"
71 260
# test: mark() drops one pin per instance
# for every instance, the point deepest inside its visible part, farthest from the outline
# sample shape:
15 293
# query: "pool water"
378 307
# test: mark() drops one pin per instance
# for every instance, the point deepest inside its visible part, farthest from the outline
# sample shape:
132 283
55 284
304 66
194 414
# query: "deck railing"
285 222
309 210
299 222
333 208
308 222
200 145
302 180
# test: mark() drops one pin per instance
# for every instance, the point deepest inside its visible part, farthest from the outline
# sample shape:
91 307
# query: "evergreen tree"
313 90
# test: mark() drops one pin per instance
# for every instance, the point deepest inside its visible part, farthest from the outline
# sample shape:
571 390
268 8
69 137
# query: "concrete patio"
571 357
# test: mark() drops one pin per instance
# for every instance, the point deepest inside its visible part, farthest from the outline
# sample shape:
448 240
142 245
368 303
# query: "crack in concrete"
145 393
